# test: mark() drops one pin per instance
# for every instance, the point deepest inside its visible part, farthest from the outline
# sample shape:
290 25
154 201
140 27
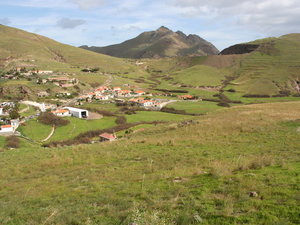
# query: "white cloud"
88 4
272 17
5 21
67 23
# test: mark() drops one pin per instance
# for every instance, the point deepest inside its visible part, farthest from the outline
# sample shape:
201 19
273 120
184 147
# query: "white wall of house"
6 129
79 113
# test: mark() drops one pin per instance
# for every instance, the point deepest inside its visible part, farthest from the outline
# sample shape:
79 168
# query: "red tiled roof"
186 96
60 111
108 136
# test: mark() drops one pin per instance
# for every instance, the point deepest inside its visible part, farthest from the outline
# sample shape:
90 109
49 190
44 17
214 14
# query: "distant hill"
21 48
269 67
162 42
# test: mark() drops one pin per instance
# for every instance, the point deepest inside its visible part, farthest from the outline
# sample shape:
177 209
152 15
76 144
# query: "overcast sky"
104 22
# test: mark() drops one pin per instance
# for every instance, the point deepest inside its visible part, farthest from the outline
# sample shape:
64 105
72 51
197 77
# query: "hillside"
238 166
21 48
162 42
263 68
271 69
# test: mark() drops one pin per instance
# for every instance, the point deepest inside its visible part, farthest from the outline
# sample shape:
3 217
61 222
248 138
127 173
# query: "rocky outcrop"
239 49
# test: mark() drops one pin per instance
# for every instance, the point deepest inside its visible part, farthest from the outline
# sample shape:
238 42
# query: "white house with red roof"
107 137
6 129
117 89
146 103
102 97
61 112
139 93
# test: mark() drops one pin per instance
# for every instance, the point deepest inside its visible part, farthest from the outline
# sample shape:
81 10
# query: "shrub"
256 96
121 120
223 104
14 114
49 118
231 90
12 142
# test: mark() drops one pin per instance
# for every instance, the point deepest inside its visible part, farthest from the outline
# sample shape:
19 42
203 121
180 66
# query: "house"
101 89
124 93
63 81
6 129
91 94
15 124
66 85
136 100
63 94
79 113
146 103
117 89
44 71
102 97
139 93
61 112
186 97
107 137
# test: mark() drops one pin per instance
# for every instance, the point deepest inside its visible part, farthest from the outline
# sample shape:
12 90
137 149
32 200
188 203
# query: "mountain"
162 42
21 48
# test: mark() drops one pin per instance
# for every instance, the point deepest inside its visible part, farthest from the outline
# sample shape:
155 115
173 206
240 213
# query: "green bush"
49 118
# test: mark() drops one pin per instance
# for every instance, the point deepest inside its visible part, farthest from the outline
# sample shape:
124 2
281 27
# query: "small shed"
107 137
79 113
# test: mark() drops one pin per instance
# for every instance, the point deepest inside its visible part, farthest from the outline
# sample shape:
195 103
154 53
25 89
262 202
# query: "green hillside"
235 166
21 48
272 69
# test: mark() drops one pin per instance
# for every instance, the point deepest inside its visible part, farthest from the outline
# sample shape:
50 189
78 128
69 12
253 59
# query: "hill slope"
21 48
168 175
159 43
272 68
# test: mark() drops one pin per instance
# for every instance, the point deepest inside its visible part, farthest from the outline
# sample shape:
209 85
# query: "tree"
14 114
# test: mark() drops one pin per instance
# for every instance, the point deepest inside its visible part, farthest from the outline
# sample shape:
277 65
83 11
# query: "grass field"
197 174
148 116
200 75
102 106
200 107
37 131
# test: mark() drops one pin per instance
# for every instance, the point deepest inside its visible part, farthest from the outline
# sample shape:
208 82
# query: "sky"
105 22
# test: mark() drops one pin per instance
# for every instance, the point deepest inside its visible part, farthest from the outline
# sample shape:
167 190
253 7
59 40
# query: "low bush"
121 120
49 118
256 96
12 142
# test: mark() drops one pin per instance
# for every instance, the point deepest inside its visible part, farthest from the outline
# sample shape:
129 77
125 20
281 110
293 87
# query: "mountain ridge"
160 43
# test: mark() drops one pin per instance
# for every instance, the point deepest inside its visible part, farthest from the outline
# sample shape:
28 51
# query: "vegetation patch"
49 118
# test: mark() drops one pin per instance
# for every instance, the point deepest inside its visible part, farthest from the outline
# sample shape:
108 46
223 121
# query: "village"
128 96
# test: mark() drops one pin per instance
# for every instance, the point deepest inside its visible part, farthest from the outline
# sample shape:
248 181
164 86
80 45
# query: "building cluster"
106 93
60 81
5 107
155 104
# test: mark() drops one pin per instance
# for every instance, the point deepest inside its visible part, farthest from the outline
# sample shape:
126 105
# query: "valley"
185 139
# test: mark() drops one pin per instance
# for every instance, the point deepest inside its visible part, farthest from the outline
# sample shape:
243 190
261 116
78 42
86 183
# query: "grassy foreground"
171 174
